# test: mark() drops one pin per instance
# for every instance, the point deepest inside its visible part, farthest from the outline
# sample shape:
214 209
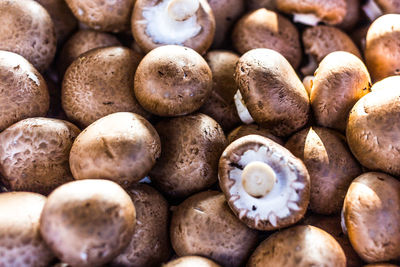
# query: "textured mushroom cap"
330 12
248 129
34 154
272 91
88 222
382 50
27 29
122 147
200 43
204 225
189 261
374 125
90 93
20 241
388 6
371 216
81 42
299 246
23 91
191 147
291 175
263 28
340 81
104 15
172 80
330 164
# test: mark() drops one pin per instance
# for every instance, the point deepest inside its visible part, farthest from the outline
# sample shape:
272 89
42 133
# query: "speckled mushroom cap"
382 53
248 129
191 147
204 225
122 147
27 29
263 28
34 154
172 81
23 91
189 261
88 222
90 93
373 127
319 41
149 244
103 15
153 27
20 241
371 216
272 92
287 200
340 81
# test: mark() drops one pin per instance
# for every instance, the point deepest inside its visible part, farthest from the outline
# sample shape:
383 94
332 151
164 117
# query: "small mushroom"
371 216
248 129
190 261
189 23
376 8
172 81
204 225
265 185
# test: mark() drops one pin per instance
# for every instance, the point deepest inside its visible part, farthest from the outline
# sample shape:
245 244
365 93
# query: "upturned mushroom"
376 8
189 261
265 185
248 129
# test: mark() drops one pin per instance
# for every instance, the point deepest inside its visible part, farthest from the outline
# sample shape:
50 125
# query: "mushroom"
88 222
271 92
189 261
265 185
382 53
371 216
191 147
90 92
172 81
373 127
23 91
189 23
122 147
34 154
303 245
27 30
340 81
204 225
263 28
149 245
20 240
257 4
248 129
330 164
376 8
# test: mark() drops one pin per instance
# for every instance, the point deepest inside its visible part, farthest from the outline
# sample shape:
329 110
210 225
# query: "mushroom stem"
258 179
181 10
307 19
372 10
241 108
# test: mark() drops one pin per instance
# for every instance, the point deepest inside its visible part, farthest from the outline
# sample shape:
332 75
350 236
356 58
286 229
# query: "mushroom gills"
307 19
241 108
372 10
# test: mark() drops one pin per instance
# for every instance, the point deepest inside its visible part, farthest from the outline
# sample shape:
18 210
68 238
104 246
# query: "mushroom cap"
20 242
340 81
373 127
191 147
272 92
371 216
122 147
330 164
34 154
200 42
27 30
88 222
382 53
204 225
189 261
285 204
303 245
172 80
263 28
23 91
90 93
103 15
149 245
248 129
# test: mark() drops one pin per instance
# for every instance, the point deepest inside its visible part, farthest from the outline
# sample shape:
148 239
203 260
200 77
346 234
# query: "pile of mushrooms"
199 133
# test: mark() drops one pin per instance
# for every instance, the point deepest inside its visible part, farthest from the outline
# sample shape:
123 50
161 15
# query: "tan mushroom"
248 129
189 261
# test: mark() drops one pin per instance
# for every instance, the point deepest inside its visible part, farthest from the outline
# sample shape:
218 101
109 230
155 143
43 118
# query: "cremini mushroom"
189 261
248 129
376 8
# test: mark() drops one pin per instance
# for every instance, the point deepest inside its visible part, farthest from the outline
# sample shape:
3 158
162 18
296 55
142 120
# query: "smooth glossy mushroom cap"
299 246
263 28
371 216
189 261
248 129
204 225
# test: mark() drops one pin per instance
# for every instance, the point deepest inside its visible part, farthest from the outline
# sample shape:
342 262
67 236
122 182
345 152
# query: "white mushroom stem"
241 108
258 179
307 19
372 10
181 10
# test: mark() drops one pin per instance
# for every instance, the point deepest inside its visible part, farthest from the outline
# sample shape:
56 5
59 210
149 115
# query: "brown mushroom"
248 129
189 261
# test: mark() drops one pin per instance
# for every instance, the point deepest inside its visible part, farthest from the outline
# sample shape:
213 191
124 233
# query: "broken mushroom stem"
181 10
307 19
258 179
